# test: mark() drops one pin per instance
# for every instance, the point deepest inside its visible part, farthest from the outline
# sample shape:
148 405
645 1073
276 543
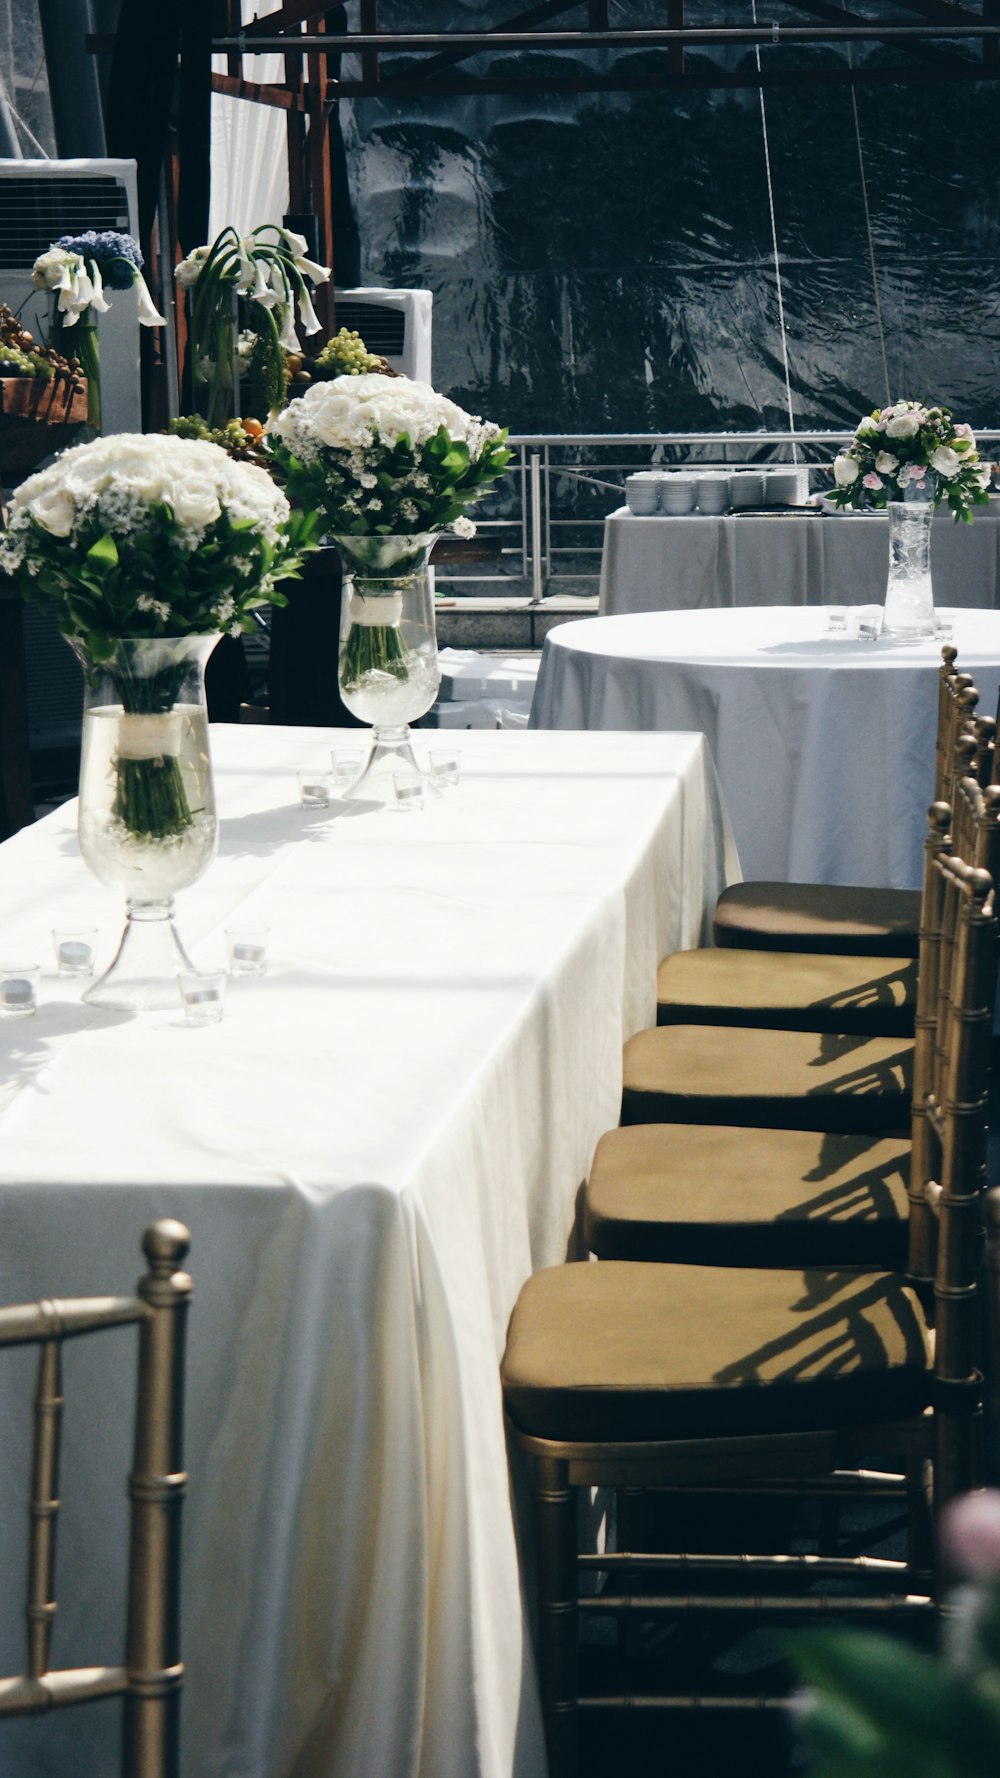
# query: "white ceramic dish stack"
678 491
746 488
713 493
786 487
642 491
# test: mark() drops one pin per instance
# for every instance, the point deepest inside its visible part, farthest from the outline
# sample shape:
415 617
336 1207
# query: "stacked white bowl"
746 488
713 493
642 491
678 490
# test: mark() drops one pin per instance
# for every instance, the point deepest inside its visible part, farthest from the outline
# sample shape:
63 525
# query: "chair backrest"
152 1674
957 700
958 967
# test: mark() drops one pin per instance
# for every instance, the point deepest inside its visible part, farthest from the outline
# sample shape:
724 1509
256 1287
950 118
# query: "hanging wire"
868 229
774 249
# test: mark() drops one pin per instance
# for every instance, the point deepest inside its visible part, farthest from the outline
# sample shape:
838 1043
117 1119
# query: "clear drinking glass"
18 990
409 788
201 992
444 770
75 948
247 949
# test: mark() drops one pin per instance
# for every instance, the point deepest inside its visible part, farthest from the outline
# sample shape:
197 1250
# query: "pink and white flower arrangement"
910 452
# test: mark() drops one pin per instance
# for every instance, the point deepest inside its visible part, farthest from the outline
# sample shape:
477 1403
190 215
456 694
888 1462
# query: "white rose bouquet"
911 452
133 537
382 457
385 456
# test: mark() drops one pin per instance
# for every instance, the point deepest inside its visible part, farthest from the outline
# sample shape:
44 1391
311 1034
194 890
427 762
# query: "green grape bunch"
346 355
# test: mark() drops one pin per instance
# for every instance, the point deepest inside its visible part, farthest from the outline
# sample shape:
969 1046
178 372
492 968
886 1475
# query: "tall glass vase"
388 669
147 822
909 593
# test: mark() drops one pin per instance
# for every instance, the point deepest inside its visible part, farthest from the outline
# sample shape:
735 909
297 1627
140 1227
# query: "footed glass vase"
909 593
147 822
389 672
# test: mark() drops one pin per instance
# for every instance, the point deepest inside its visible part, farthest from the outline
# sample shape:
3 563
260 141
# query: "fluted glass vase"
909 593
389 672
147 822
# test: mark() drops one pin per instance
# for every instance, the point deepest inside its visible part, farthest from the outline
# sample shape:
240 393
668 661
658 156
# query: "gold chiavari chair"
786 990
152 1674
831 918
704 1194
638 1376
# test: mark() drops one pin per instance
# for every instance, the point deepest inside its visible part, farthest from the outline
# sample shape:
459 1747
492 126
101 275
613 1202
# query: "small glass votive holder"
444 770
18 990
836 618
314 789
201 992
944 630
74 947
409 787
247 949
346 769
868 629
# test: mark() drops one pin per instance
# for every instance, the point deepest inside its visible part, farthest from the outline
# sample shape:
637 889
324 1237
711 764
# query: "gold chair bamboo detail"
152 1674
636 1375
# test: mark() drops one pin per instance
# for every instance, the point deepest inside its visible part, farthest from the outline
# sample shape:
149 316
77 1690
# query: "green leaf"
103 554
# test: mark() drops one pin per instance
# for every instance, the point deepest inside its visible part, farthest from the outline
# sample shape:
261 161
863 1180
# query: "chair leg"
555 1504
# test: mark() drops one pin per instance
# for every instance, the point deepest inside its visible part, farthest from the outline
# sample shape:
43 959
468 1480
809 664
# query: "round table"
824 743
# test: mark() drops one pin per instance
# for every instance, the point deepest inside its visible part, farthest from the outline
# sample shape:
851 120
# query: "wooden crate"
37 418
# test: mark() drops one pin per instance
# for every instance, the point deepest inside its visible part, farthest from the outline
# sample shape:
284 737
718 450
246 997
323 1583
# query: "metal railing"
546 519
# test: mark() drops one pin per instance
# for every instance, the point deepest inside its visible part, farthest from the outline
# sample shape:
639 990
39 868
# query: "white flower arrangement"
383 455
269 269
911 452
139 536
77 269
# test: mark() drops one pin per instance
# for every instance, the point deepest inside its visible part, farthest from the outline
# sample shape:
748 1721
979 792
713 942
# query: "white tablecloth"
824 744
373 1150
688 563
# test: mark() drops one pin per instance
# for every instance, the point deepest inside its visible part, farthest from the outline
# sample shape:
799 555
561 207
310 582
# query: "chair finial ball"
949 654
980 883
166 1242
939 815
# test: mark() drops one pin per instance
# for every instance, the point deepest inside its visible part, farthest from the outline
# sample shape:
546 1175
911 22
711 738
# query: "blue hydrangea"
109 250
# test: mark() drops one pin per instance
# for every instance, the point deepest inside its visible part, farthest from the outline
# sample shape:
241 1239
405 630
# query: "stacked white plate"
713 493
786 487
642 491
746 488
677 492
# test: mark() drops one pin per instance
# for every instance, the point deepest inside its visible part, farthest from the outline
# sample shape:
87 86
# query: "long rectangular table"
784 558
382 1139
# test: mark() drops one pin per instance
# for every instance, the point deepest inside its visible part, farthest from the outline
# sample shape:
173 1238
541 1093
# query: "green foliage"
879 1709
419 489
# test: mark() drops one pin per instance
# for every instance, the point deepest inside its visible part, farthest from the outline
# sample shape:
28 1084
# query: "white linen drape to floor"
383 1138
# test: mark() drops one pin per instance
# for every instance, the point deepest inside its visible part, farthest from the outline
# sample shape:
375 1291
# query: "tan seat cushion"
718 1074
708 1195
794 991
614 1350
819 917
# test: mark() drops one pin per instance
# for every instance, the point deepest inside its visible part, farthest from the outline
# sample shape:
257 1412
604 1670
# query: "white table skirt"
383 1138
824 745
691 563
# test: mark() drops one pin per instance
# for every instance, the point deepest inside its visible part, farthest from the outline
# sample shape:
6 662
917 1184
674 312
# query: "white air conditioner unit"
394 323
41 200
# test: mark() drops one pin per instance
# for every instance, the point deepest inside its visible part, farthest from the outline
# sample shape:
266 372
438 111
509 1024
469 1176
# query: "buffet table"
824 744
380 1141
784 558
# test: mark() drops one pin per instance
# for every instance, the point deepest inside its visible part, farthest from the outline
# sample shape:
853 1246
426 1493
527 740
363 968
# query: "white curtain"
249 153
